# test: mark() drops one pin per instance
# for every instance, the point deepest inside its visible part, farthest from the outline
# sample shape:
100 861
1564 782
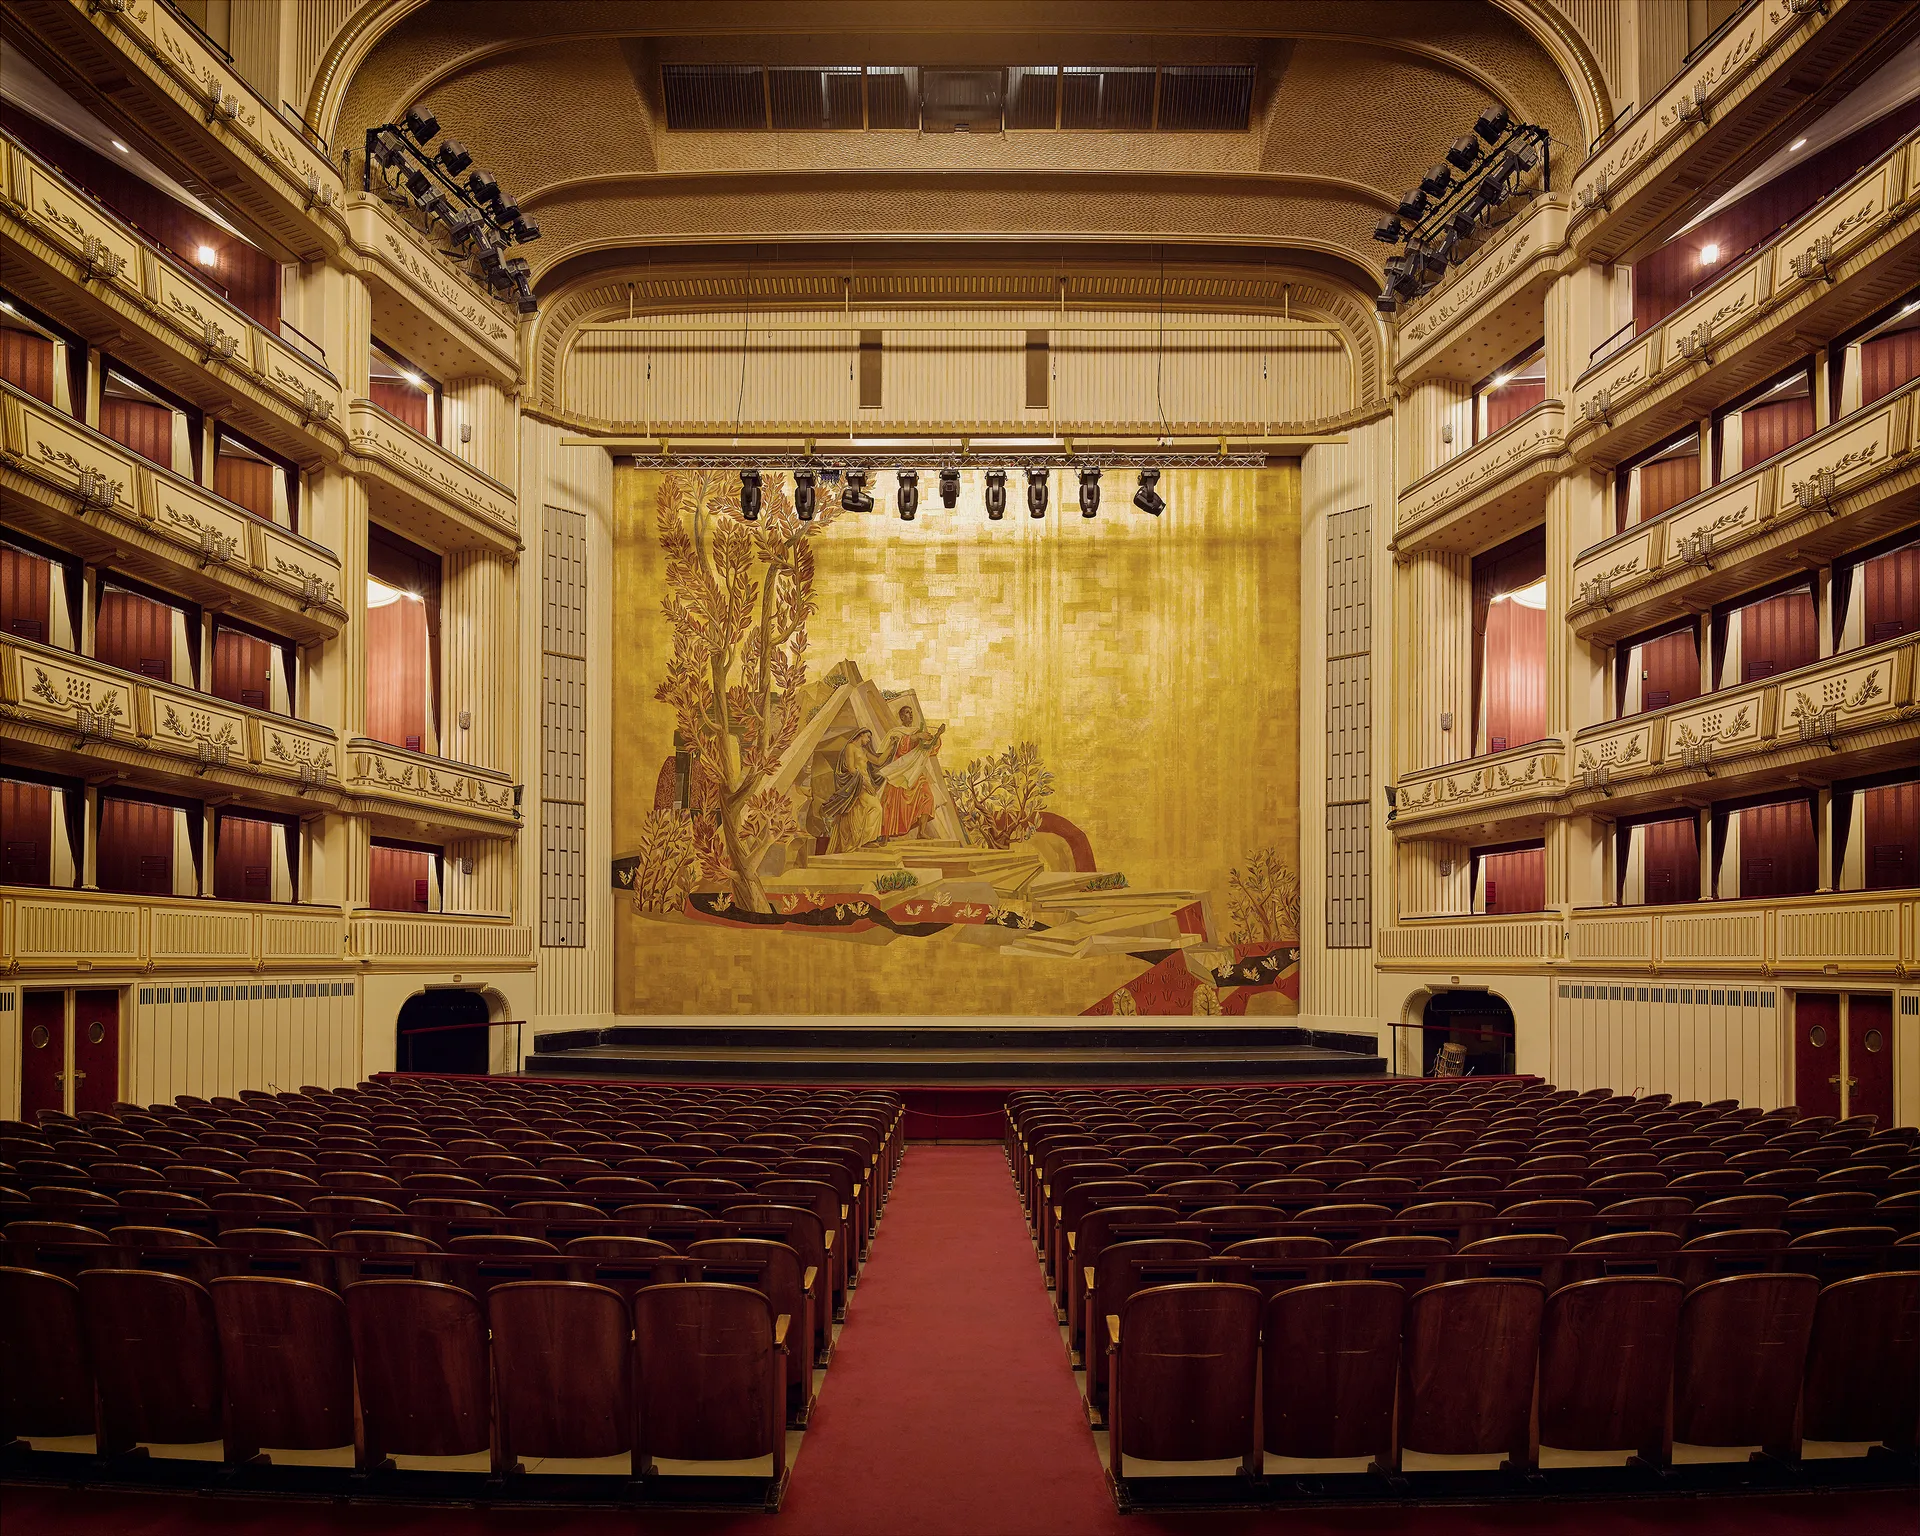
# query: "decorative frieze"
375 771
1523 775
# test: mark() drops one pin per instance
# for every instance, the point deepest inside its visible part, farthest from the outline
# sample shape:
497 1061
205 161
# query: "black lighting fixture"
421 123
1037 492
996 494
1090 491
1464 153
1438 181
482 188
804 495
1413 206
949 487
1493 122
909 498
855 498
1388 230
1147 499
452 157
750 495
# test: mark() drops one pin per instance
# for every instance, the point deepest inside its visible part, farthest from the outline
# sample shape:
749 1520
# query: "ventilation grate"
814 98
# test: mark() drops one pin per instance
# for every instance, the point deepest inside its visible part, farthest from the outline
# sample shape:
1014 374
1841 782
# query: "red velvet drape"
1668 482
1515 881
1516 674
1773 428
136 633
245 482
144 427
397 673
401 400
1510 402
26 835
1671 668
1891 591
136 847
240 668
1887 362
25 594
243 859
26 360
397 879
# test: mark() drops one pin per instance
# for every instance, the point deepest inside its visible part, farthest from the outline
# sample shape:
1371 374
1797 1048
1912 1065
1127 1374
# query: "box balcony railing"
1825 933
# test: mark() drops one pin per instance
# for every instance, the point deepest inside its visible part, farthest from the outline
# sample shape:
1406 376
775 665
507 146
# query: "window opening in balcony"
250 477
404 392
1659 861
253 853
39 594
1659 479
403 642
1659 669
1769 420
1510 878
1877 825
140 631
1508 393
148 845
1765 848
404 877
252 668
1510 643
1479 1023
150 422
1876 595
39 357
1758 637
39 829
1879 357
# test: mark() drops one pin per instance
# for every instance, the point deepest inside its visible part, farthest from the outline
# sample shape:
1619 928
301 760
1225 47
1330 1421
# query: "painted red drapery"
1892 827
136 633
26 823
1516 674
1670 861
398 879
25 594
1778 854
243 859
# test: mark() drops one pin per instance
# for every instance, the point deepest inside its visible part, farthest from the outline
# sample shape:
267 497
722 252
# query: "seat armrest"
829 1236
807 1280
1113 1330
781 1322
1088 1272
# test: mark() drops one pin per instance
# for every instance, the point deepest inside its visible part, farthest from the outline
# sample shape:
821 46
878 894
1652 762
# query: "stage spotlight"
1465 217
453 156
949 487
909 494
506 210
1429 262
482 185
855 498
1090 491
1037 492
750 495
996 494
523 299
1147 499
804 495
1386 301
1493 122
1436 182
421 123
1413 205
416 181
524 231
1463 153
1389 230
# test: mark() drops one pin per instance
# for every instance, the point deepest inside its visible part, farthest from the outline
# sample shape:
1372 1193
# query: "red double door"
1843 1054
58 1054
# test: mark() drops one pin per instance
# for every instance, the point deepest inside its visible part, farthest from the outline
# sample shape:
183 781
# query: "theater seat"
709 1376
1182 1360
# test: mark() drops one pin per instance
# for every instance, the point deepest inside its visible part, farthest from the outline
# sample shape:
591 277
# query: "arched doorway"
1480 1023
429 1036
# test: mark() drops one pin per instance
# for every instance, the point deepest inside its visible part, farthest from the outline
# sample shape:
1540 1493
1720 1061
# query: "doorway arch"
429 1035
1481 1023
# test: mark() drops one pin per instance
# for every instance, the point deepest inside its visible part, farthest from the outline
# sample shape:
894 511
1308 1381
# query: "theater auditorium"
1027 768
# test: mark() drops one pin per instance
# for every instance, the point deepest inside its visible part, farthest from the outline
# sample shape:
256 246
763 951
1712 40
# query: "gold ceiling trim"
1565 45
364 31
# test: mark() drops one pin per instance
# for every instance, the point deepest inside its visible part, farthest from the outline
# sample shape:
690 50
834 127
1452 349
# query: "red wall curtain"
142 426
26 360
245 482
1769 429
397 673
136 847
1892 825
1887 362
1778 853
26 833
240 668
25 594
1510 402
397 879
136 633
1672 668
1671 861
1777 635
243 859
1516 674
1668 482
1516 881
401 399
1891 585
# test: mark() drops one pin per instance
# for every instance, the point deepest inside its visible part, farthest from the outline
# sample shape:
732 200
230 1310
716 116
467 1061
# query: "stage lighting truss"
473 218
1460 202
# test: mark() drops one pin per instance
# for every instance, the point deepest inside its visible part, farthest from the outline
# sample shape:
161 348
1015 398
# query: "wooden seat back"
288 1365
1183 1370
1467 1368
156 1357
1606 1359
562 1369
1330 1361
1739 1359
709 1381
1863 1361
46 1372
420 1358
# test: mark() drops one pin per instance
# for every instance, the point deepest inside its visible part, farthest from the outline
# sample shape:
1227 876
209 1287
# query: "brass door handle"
79 1076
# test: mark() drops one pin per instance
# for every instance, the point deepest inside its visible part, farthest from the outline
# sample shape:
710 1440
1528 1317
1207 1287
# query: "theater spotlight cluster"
1466 196
447 196
856 497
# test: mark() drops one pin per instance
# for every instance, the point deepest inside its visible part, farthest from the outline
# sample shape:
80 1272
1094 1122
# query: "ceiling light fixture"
909 497
1036 493
1709 254
1147 499
855 498
206 255
996 494
804 495
1090 491
1796 144
121 147
949 487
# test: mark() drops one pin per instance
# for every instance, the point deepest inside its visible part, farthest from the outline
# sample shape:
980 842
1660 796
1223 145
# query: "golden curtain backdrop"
1150 665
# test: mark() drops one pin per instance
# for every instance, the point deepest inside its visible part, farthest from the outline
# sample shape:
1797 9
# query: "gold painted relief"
953 766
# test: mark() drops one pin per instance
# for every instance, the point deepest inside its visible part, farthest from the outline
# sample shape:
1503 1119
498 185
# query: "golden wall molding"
87 494
1493 490
67 254
1758 316
104 935
158 71
427 492
1506 786
445 320
393 781
1834 933
1488 308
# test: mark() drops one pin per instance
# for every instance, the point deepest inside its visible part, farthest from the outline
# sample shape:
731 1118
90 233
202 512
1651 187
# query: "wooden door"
1870 1055
240 668
1777 635
26 592
1891 826
1816 1053
1670 669
43 1052
96 1049
136 633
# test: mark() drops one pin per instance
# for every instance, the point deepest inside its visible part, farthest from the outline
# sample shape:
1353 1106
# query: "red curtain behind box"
1516 881
136 633
26 360
142 426
1668 482
1887 362
1670 860
1891 584
1510 402
240 668
1769 429
397 879
1777 635
1516 678
1778 853
136 847
1892 826
401 400
243 859
1672 668
245 482
25 594
397 673
26 833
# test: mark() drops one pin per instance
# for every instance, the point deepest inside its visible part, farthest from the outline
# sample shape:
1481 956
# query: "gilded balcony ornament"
1596 195
100 261
1697 345
1816 491
216 548
1815 261
313 406
95 491
1598 409
1692 108
215 342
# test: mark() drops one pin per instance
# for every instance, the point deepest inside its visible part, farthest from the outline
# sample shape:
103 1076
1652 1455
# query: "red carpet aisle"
950 1411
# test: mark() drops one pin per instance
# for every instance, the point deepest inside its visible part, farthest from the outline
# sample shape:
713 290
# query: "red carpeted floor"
950 1410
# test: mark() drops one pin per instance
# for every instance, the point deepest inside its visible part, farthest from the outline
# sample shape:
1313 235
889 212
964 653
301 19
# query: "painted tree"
738 597
1265 900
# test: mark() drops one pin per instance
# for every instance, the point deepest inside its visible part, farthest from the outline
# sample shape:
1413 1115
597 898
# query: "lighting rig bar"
944 459
440 187
1458 202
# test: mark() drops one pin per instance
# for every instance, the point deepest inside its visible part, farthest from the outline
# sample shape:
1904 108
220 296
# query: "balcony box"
109 934
1487 308
1505 789
414 787
1831 933
1492 491
418 488
443 320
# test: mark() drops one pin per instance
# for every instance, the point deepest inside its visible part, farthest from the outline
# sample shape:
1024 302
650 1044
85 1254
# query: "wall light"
1709 254
1796 144
414 379
125 151
207 255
